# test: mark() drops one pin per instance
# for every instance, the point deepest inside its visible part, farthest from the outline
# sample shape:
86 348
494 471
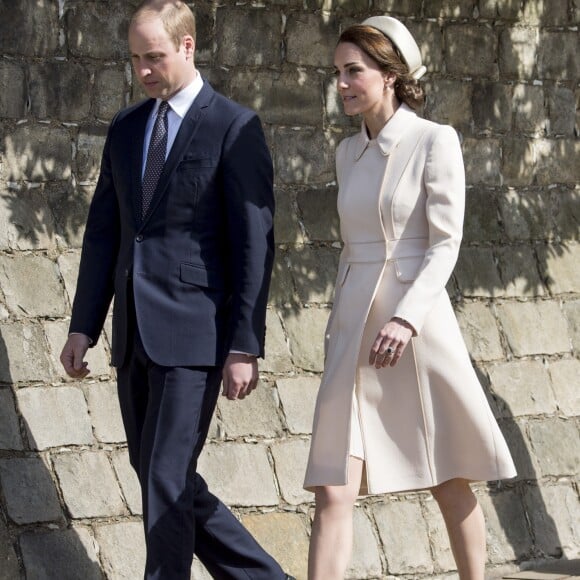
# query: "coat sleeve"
249 203
95 283
444 182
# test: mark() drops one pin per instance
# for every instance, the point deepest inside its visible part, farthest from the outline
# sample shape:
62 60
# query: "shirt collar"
390 134
182 101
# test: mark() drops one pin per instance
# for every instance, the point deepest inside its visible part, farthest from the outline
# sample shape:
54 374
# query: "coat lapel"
187 131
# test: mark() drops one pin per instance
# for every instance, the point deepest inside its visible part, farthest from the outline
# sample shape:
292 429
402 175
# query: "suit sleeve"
444 182
249 203
95 284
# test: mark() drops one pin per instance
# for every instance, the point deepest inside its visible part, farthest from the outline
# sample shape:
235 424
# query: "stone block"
10 568
105 412
57 333
29 491
225 466
523 387
518 269
505 9
366 556
285 98
482 158
555 446
255 416
277 352
88 484
68 265
286 224
525 215
559 267
518 51
508 536
70 204
284 536
64 554
442 555
430 41
199 571
558 55
29 32
319 214
128 479
310 39
403 533
564 377
304 156
449 102
55 416
232 26
572 314
23 356
87 24
561 111
518 157
281 285
518 443
305 329
90 143
480 332
521 321
122 550
26 219
403 7
109 96
13 90
20 279
60 90
10 437
471 50
482 222
491 106
554 512
290 458
556 161
477 274
314 272
529 110
38 153
298 397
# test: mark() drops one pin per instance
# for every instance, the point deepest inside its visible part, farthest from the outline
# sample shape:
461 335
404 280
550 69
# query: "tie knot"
163 107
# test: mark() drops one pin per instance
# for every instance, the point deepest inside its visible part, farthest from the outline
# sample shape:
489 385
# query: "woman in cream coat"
399 407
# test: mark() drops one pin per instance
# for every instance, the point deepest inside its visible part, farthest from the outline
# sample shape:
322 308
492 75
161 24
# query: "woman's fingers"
389 345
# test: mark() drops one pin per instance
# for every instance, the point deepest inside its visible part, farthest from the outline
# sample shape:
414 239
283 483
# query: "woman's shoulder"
437 131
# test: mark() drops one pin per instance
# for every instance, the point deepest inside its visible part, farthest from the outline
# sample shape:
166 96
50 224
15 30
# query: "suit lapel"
187 131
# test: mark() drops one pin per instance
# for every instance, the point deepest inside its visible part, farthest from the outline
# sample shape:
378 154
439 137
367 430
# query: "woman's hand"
390 343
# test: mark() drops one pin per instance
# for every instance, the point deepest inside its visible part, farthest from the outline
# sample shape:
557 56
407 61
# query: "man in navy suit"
180 233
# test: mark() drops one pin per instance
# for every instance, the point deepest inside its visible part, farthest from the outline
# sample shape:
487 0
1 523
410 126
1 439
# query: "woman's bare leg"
331 538
465 526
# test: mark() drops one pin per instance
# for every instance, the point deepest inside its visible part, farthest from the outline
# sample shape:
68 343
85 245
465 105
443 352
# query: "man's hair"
177 18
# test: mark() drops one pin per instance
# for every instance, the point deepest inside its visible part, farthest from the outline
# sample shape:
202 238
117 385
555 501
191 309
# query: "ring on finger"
390 350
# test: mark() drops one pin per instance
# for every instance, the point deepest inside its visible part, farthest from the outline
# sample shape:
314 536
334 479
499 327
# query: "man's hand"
240 376
73 354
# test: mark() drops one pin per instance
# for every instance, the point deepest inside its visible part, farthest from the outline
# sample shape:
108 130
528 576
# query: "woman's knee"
453 492
334 497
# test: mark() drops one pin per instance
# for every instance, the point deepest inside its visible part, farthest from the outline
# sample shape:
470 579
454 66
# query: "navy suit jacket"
199 263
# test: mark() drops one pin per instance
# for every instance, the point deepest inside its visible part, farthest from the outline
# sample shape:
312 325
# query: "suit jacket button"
139 238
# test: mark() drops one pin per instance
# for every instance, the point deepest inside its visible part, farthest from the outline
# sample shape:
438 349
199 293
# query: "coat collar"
390 134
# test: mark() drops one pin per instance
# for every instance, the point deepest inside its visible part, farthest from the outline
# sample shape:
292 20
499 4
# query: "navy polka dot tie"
155 157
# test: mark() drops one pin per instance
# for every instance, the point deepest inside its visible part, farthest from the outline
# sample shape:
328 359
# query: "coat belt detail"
385 250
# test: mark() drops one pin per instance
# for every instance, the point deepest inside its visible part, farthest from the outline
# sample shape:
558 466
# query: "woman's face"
360 82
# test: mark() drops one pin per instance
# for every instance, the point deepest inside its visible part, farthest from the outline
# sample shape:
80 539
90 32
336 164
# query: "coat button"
139 238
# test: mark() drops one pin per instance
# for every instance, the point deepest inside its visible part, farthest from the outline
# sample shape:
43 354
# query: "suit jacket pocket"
407 269
198 275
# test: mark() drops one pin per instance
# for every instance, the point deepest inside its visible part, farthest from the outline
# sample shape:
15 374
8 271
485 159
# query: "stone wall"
504 73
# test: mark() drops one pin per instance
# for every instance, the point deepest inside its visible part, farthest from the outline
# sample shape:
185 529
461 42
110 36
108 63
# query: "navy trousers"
166 412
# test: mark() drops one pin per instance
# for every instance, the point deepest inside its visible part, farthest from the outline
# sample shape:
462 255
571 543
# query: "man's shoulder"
225 107
128 112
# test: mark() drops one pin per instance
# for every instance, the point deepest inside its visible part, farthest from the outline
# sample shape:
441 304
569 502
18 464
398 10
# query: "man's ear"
189 46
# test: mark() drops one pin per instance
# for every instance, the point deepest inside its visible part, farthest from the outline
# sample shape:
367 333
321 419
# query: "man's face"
162 69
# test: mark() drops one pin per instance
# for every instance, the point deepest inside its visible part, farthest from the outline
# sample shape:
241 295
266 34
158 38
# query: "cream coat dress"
426 420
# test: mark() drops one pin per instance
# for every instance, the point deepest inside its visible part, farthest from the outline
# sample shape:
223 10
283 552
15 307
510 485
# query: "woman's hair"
178 19
378 47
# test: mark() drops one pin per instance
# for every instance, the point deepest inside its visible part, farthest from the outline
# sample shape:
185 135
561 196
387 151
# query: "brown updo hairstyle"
378 47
